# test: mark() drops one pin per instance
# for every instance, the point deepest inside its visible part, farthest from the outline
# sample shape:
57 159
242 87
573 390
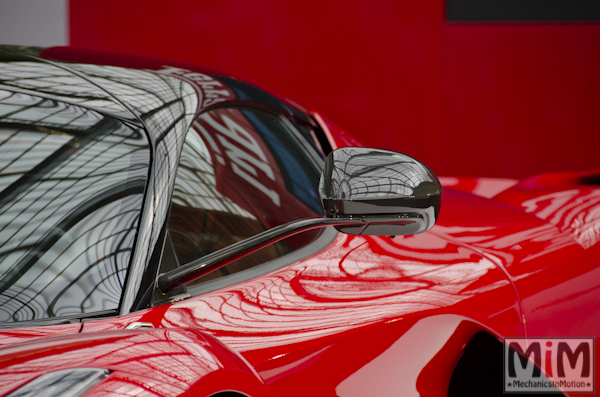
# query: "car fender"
407 357
179 359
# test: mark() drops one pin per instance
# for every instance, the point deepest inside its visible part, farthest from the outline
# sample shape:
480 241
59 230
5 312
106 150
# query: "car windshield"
72 185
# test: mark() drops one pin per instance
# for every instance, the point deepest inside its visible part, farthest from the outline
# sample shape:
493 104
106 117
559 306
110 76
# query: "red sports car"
170 230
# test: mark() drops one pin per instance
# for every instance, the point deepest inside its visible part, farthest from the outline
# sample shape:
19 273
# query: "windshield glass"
71 189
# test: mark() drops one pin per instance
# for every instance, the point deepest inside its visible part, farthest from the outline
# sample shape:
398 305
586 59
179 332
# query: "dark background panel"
523 10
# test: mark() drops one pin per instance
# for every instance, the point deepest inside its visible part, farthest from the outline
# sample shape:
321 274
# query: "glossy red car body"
365 315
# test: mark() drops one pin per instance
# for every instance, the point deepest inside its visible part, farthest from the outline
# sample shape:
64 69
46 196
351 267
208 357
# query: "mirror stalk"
213 261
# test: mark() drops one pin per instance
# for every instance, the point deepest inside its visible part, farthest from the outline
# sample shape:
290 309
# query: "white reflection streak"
389 373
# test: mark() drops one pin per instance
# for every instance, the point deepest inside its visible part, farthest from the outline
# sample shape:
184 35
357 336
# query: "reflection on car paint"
277 322
576 211
175 357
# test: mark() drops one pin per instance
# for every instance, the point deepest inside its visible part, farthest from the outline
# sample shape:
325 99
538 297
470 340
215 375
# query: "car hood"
529 226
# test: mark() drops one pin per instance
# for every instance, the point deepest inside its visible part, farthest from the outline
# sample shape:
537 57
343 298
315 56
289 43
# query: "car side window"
241 172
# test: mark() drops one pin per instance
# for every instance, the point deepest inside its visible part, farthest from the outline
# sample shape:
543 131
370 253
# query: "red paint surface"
12 336
503 100
368 308
162 363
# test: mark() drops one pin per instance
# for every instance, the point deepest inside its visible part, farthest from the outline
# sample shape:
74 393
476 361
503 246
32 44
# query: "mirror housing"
392 193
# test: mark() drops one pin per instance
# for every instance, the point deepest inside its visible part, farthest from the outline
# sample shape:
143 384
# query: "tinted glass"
241 172
72 183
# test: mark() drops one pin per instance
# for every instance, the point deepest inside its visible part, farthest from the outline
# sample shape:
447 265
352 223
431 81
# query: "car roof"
147 99
126 86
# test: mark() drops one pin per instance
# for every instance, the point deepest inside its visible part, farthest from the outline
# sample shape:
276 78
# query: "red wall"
507 100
